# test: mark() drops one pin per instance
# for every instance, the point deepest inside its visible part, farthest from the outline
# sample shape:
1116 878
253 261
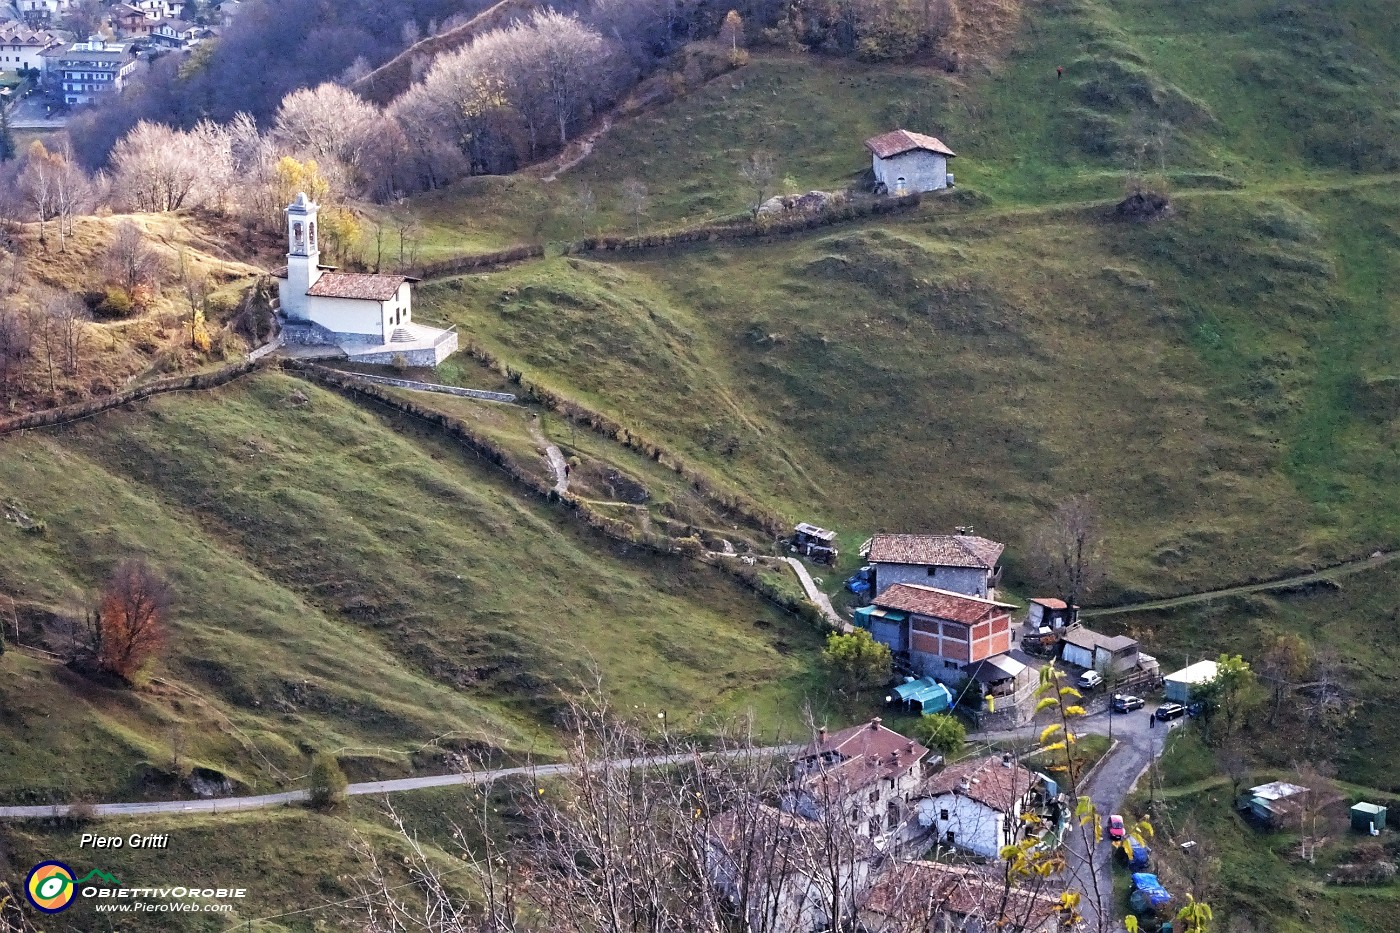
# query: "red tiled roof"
888 145
356 285
936 550
868 752
940 604
986 780
920 892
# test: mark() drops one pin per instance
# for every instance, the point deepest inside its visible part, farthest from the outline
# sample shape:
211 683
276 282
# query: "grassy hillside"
1198 375
341 585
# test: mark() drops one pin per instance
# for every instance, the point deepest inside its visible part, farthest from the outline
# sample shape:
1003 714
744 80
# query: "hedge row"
460 264
611 528
732 504
704 233
80 410
751 229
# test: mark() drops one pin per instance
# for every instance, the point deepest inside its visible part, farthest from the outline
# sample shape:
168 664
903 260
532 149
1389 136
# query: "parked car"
1196 709
1170 711
1115 827
1090 680
1126 703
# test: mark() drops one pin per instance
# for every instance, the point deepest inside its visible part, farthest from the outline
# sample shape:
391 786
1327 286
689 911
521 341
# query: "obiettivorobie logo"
51 886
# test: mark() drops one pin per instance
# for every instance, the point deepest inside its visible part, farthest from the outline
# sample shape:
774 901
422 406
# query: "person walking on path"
1059 72
1152 720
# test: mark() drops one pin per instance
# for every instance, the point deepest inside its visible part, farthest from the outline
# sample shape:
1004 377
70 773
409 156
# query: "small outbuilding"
927 693
1050 613
1367 817
1095 651
906 162
814 542
1275 803
1181 684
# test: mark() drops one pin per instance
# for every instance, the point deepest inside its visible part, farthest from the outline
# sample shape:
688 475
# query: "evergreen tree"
7 136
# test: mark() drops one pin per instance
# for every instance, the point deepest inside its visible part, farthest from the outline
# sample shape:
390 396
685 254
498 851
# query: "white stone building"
906 162
369 317
44 10
961 563
23 47
976 805
86 70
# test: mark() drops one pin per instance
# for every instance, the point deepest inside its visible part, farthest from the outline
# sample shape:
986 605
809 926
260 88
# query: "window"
949 836
943 815
875 795
933 571
950 664
892 816
874 826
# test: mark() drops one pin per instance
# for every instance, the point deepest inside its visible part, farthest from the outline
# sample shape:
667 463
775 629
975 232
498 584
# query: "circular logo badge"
50 887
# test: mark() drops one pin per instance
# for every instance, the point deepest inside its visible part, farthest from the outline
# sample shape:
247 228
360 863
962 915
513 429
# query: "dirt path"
557 463
816 596
1378 559
578 150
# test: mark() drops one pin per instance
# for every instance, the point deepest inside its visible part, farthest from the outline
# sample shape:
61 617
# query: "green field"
1222 381
344 582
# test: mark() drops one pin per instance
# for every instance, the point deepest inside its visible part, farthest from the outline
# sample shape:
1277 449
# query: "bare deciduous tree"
130 259
157 168
758 170
635 198
1067 554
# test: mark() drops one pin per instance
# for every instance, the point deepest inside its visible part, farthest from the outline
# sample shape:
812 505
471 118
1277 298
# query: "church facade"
369 317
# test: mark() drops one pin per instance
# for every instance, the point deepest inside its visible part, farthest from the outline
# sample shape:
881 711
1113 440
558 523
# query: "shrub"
327 782
857 660
114 303
941 732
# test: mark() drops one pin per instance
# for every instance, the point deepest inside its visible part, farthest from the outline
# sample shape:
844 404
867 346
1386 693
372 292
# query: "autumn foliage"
130 622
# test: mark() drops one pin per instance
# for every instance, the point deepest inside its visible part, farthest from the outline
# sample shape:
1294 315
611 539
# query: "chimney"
875 723
1006 759
909 748
821 735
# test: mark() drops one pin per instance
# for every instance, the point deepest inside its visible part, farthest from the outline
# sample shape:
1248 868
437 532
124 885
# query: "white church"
369 317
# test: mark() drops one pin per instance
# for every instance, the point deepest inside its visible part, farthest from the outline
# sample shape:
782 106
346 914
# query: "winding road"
370 788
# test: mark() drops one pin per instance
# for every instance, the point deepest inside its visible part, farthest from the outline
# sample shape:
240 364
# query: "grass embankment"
342 585
299 867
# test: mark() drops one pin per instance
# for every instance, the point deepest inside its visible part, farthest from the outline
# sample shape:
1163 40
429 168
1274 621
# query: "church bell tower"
303 257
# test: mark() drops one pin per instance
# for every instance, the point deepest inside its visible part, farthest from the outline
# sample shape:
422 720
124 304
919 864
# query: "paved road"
1136 743
370 788
820 599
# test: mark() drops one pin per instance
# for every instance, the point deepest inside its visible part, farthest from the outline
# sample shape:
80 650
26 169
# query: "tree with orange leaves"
130 624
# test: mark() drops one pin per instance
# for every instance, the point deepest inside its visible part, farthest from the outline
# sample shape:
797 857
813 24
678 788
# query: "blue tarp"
1136 853
857 586
1151 889
931 696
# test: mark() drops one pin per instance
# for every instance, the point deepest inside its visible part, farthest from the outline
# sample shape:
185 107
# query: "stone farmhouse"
870 773
940 632
976 805
934 897
961 563
22 47
777 871
906 162
368 317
